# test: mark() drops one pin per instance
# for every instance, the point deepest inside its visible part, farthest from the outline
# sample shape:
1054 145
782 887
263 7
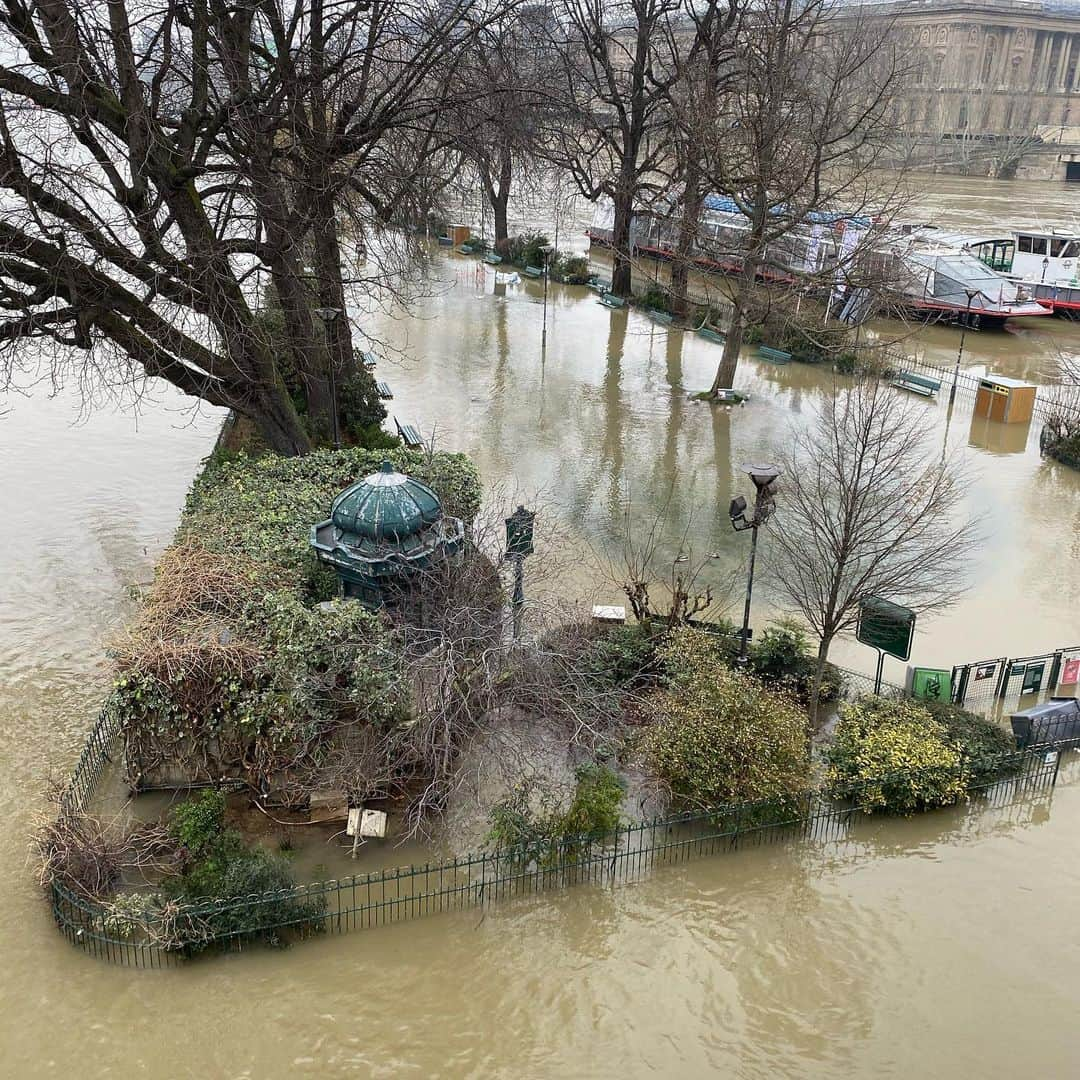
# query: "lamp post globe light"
519 544
763 476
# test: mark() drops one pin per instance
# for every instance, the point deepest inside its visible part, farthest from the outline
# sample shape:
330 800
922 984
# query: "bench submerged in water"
774 356
612 301
917 384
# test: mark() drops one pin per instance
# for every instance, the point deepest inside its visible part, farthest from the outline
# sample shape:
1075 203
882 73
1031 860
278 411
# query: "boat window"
1057 246
1072 249
1023 243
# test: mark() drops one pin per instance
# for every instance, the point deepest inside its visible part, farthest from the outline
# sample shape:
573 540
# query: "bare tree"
620 60
161 161
866 509
797 138
504 82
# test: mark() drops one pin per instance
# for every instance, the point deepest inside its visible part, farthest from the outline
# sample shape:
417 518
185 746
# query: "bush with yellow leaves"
895 756
717 736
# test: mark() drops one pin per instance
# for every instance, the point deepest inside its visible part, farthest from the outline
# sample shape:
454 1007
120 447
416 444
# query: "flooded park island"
555 519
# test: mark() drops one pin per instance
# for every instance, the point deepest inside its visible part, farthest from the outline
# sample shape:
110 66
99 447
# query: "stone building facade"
1007 68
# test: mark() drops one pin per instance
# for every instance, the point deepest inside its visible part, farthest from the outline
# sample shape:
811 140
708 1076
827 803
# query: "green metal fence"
368 900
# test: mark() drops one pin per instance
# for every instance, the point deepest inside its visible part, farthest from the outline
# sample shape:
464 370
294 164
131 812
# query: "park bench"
598 285
774 356
410 434
368 359
465 249
709 334
446 241
917 384
384 390
492 259
661 316
608 300
533 271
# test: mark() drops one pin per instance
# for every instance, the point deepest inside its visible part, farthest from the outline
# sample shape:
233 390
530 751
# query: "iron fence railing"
967 383
174 931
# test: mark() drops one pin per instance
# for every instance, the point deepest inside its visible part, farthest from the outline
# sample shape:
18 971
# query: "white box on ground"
609 613
366 823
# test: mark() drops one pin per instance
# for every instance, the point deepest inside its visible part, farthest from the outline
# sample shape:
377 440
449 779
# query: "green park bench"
464 249
774 356
368 359
608 300
410 434
533 271
917 384
446 241
598 285
492 259
384 390
661 316
709 334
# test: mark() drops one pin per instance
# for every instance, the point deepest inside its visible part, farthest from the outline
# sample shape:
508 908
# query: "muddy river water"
940 946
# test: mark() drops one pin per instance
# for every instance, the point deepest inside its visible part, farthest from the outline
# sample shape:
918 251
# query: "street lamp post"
519 544
328 315
764 479
546 252
971 294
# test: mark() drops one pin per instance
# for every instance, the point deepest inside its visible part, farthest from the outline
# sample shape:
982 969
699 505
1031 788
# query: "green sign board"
886 626
931 684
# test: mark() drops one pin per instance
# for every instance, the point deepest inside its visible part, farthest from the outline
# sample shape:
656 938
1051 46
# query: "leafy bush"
783 659
655 296
625 656
988 750
527 249
1065 449
530 829
573 269
718 736
228 650
198 822
225 869
847 363
894 756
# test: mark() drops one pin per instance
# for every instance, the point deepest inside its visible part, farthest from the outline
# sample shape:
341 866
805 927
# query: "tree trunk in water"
621 270
684 249
729 361
499 202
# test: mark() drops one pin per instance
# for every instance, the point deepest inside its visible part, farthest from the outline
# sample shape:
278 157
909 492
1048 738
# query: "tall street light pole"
971 294
328 315
546 252
764 480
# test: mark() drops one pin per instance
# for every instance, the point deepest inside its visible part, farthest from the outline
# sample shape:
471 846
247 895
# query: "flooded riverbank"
941 945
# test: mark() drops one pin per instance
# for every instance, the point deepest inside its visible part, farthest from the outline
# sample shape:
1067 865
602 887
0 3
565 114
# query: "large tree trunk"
819 674
273 413
500 200
622 270
684 249
733 339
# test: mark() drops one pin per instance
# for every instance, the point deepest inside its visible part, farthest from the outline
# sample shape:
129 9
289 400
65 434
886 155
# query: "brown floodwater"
943 945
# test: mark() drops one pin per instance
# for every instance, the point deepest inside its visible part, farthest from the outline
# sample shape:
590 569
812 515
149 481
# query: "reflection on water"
940 945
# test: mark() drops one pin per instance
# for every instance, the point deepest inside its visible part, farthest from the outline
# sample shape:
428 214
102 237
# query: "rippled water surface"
941 946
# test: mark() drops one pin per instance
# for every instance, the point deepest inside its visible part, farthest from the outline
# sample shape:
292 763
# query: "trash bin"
1053 722
1008 401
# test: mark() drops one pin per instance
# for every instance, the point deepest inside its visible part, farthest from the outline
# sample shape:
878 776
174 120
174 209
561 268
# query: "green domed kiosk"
382 533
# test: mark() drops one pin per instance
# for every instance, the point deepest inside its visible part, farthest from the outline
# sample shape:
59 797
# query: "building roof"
386 506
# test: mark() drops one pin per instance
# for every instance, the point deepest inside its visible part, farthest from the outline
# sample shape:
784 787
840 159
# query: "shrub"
573 269
625 656
656 297
847 363
198 822
894 756
718 736
989 751
226 869
530 829
229 651
783 659
528 248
